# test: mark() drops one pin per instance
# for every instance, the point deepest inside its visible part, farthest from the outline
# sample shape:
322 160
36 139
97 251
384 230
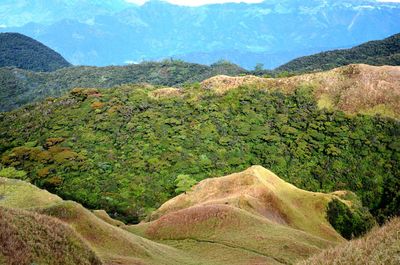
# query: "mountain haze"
271 32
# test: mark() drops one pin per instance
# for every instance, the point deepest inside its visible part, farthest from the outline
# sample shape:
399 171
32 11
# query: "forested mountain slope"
121 149
17 50
19 87
380 52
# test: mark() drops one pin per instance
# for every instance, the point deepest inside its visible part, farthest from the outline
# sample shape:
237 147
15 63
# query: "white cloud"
198 2
138 2
389 1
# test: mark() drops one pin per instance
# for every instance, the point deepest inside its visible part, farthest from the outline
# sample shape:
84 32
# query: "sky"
205 2
199 2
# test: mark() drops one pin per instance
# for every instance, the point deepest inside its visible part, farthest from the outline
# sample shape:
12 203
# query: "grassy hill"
380 52
380 246
20 51
121 149
19 87
31 238
253 212
52 231
249 217
352 89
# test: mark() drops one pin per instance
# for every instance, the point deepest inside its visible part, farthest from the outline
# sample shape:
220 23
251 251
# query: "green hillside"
19 87
20 51
121 149
380 52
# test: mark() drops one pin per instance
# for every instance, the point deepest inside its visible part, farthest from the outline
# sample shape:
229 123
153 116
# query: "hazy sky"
199 2
204 2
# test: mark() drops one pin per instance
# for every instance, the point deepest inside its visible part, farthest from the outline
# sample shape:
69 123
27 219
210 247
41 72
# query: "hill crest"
356 88
17 50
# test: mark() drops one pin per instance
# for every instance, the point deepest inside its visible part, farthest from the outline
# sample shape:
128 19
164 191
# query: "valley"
176 163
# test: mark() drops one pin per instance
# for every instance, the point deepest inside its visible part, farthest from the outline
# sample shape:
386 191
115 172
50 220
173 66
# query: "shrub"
349 222
184 183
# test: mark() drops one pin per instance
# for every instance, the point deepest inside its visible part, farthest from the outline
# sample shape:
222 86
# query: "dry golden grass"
260 192
49 216
103 215
31 238
353 89
166 92
254 215
379 247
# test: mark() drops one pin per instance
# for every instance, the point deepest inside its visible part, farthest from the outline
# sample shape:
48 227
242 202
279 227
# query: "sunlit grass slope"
380 246
47 216
253 212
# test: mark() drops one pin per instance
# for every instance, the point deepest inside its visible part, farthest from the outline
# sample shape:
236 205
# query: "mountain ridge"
379 52
20 51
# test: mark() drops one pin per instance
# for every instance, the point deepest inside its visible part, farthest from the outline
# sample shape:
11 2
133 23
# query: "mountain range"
20 86
272 32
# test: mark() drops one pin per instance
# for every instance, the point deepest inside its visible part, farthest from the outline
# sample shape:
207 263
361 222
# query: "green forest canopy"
121 149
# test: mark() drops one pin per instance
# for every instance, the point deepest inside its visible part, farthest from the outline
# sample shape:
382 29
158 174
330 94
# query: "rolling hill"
19 87
249 217
46 216
17 50
121 149
381 52
352 89
252 212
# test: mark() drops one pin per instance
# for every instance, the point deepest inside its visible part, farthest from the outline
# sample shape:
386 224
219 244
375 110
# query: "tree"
184 183
259 67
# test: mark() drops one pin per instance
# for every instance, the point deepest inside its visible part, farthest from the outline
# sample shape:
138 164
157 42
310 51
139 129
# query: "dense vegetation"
349 223
19 87
122 149
382 52
17 50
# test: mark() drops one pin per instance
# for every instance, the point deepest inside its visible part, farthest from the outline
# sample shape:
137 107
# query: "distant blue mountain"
273 32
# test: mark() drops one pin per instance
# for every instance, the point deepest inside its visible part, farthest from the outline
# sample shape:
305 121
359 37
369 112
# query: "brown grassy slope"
103 215
254 213
112 244
260 192
31 238
380 246
353 89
